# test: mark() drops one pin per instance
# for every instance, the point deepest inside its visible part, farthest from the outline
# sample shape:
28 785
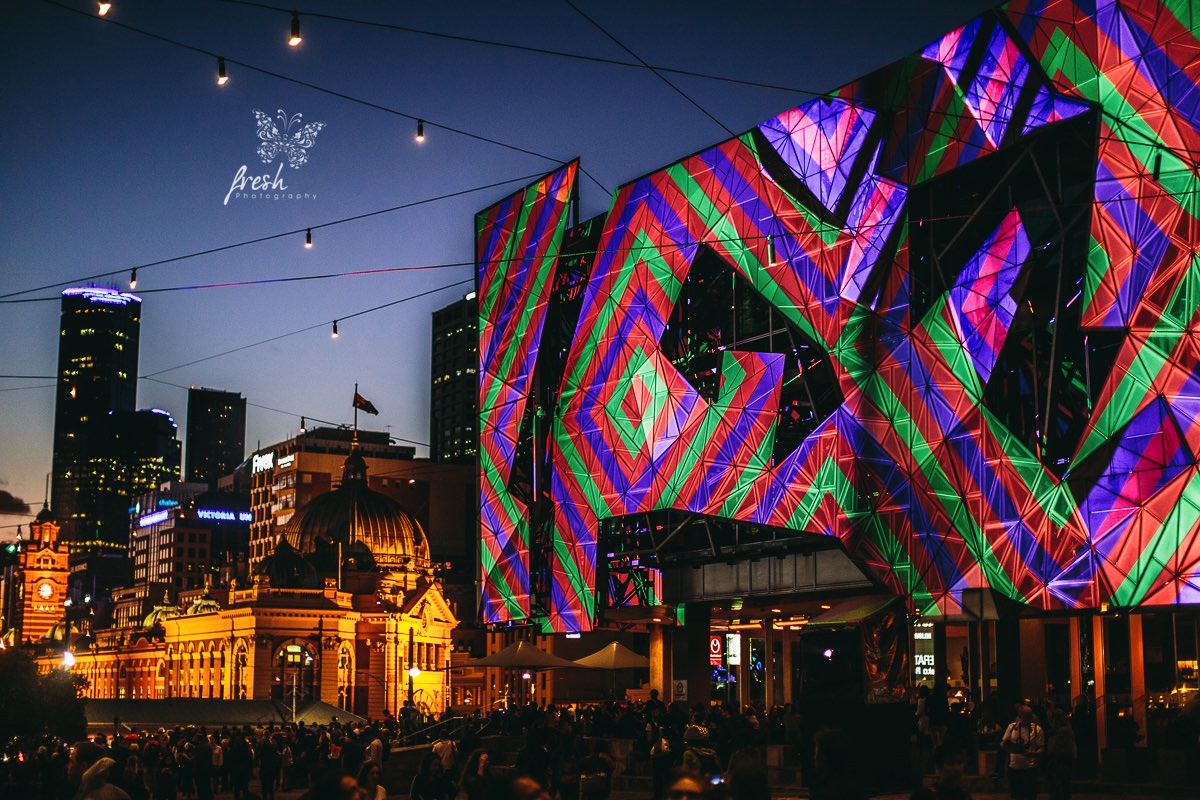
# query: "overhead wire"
307 328
108 20
284 412
531 49
656 72
4 298
777 236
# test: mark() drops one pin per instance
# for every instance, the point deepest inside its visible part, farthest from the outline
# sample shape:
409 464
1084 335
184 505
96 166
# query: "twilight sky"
118 149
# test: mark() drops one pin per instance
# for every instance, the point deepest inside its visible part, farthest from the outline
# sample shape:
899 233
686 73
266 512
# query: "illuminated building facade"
346 609
940 318
454 355
216 434
97 375
34 583
182 537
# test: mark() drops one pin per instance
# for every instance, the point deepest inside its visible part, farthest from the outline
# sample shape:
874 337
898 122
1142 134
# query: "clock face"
45 590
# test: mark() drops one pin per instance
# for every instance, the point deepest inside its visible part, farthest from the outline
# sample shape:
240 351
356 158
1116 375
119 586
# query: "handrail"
463 721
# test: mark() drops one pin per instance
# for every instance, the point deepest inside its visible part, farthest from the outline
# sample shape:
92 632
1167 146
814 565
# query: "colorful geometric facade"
994 244
517 242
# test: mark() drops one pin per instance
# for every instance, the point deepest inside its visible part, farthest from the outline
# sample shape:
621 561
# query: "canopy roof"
614 655
522 654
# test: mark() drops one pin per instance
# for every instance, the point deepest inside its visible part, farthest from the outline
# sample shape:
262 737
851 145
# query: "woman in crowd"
368 778
432 782
476 781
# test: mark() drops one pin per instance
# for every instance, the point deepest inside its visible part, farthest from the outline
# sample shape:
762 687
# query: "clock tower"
41 584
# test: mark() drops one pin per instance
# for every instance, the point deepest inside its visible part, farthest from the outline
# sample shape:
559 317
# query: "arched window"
295 666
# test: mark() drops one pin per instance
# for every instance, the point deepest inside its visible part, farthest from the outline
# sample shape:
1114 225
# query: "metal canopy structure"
944 314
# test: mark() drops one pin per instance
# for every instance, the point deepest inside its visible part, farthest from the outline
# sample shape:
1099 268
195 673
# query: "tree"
32 704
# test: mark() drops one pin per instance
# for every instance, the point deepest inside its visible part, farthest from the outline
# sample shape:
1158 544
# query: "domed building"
346 610
357 534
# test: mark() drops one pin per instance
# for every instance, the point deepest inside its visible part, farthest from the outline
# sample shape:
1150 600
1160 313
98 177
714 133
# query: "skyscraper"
453 421
97 375
216 434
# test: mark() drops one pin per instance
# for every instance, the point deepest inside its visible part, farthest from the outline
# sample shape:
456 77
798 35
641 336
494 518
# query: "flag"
365 404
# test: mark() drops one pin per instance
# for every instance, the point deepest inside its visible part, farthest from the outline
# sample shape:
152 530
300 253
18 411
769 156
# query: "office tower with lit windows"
216 434
453 421
97 376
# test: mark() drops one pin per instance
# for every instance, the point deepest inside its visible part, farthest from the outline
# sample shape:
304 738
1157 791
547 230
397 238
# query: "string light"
342 95
308 238
222 78
7 297
103 8
420 130
295 39
334 335
133 279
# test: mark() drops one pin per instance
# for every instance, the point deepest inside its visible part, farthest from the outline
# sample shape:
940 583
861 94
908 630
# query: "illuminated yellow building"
345 610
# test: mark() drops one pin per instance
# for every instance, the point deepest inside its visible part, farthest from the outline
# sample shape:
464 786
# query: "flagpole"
354 441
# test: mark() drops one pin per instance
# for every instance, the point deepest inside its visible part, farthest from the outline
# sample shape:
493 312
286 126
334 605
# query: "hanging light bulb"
103 8
308 238
295 38
133 279
420 130
222 78
334 335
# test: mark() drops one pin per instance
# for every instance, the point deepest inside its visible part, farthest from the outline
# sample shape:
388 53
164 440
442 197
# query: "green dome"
158 614
204 604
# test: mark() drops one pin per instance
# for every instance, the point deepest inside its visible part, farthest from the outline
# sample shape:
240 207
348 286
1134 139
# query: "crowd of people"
189 763
566 753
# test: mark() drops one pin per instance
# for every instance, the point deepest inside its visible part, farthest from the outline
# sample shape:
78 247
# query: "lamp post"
413 672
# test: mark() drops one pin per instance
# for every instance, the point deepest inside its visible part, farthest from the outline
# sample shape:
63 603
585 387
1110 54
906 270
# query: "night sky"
117 149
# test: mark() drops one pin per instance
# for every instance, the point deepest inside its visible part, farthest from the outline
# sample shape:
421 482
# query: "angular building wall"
984 253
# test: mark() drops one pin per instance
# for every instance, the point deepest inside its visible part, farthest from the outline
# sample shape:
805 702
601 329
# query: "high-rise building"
216 434
135 452
453 420
97 375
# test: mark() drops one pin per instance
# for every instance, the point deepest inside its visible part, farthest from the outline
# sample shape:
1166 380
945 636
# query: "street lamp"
308 660
530 688
412 673
68 659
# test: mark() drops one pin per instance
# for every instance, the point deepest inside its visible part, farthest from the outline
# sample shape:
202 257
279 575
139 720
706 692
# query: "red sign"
716 650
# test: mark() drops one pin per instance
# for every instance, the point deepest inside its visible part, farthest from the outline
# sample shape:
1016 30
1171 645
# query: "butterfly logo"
284 134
